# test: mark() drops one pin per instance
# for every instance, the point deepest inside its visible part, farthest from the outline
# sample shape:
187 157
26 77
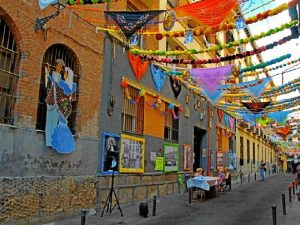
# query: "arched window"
57 51
9 73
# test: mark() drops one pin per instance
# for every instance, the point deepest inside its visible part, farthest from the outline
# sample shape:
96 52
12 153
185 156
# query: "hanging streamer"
256 107
175 85
257 89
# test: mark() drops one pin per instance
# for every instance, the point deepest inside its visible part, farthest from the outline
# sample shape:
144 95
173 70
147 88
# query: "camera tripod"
108 203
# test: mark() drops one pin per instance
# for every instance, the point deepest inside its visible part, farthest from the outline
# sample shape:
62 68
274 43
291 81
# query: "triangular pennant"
176 86
159 77
220 114
131 22
210 79
256 107
279 116
226 119
210 12
256 90
283 131
250 117
231 122
138 66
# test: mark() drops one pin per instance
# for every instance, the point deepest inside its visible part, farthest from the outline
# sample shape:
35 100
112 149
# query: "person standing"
262 169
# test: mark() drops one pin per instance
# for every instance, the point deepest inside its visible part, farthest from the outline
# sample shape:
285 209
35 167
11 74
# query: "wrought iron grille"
9 73
133 114
57 51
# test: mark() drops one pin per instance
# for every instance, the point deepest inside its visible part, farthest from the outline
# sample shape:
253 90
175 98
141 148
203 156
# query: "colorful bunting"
176 86
220 114
130 22
210 12
138 66
256 90
279 116
159 77
256 107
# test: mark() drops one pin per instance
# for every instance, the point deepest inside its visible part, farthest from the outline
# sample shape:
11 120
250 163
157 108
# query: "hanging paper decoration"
210 79
169 21
283 131
138 66
159 77
220 114
263 121
250 117
279 116
176 86
240 23
134 40
44 3
256 90
130 22
210 12
231 122
189 37
226 119
256 107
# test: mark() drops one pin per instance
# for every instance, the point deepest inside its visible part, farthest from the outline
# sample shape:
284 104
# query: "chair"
227 185
200 194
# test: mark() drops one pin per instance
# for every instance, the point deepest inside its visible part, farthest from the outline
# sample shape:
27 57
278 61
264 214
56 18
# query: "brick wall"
67 29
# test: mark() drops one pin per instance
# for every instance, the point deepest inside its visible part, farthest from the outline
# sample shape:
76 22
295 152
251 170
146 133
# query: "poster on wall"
159 163
110 145
232 160
187 158
171 156
220 159
132 154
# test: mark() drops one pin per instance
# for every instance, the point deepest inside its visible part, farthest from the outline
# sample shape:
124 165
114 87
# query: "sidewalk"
172 204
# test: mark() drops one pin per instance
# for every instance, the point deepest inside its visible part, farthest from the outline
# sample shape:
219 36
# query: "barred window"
9 69
171 124
133 112
57 51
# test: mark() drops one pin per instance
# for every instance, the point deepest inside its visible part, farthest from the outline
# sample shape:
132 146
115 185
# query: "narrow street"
246 205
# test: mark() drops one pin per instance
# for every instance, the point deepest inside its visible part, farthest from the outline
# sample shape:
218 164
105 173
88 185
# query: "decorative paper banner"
138 66
176 86
44 3
159 77
257 89
256 107
284 131
130 22
263 121
250 117
226 119
169 21
231 122
240 23
210 12
220 114
210 79
279 116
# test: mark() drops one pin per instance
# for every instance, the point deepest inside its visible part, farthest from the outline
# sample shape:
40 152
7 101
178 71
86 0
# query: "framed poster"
171 157
187 157
110 145
132 154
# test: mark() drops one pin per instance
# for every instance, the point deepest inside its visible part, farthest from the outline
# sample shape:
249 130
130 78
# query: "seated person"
221 178
199 172
227 178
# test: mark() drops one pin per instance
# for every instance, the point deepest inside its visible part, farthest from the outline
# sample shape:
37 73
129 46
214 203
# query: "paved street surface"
246 205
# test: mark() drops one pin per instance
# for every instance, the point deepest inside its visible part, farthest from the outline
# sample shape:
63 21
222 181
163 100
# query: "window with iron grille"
9 73
133 112
171 124
57 51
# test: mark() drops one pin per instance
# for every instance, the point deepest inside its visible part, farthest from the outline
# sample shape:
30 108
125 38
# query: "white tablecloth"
202 182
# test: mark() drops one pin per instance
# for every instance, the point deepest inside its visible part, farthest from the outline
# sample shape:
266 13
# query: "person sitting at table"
227 178
221 178
199 172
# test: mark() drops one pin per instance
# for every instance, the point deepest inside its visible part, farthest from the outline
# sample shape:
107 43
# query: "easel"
108 202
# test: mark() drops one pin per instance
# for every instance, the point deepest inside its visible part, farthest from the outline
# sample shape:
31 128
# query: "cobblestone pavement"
246 205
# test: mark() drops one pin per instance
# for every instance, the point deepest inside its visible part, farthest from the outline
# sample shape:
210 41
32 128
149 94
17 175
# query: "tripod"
108 203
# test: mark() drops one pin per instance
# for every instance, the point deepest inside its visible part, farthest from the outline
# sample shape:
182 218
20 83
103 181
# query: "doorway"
198 146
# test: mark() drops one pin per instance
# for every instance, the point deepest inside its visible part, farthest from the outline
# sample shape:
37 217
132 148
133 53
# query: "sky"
291 47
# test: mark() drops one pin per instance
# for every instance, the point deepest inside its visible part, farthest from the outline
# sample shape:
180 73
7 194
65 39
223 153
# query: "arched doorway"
57 51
